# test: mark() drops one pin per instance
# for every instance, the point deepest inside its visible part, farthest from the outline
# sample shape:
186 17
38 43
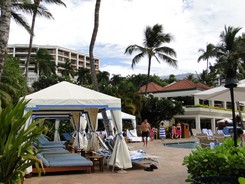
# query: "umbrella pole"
233 116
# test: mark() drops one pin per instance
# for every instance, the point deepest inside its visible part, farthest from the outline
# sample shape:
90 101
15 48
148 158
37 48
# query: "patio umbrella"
225 120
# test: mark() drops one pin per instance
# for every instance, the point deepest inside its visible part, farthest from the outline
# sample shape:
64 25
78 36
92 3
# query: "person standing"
162 133
173 131
145 131
178 131
152 133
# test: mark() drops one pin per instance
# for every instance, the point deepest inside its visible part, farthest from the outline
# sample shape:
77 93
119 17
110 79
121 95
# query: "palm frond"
169 60
137 58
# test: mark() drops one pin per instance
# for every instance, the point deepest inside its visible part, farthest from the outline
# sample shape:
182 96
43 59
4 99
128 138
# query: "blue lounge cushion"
44 160
63 160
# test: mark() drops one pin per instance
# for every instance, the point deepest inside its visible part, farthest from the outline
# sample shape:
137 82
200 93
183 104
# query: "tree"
155 109
44 82
154 38
10 9
44 63
92 43
38 9
208 53
5 18
83 76
12 85
67 69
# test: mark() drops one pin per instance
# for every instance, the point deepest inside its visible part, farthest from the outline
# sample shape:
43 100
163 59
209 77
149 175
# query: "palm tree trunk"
106 121
5 19
148 75
31 40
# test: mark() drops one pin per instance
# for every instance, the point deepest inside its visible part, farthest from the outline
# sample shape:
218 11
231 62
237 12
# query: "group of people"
176 131
147 131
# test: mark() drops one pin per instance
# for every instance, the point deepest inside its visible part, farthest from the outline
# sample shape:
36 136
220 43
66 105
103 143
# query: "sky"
193 24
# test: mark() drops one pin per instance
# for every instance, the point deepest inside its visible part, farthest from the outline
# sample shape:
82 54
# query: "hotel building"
60 55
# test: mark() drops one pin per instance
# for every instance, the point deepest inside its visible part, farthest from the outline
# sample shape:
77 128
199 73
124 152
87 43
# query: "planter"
216 180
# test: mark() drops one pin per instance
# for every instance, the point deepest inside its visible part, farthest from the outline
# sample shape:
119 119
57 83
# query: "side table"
97 159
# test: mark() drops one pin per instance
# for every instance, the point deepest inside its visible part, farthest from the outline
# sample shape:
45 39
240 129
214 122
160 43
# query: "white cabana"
70 97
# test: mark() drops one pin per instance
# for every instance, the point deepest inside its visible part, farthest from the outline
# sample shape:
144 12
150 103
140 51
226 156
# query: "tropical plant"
5 18
44 82
67 70
210 52
83 76
16 150
12 84
155 109
154 38
44 63
224 160
38 9
10 9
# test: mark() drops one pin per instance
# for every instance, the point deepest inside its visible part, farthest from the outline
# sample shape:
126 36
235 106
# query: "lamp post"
231 83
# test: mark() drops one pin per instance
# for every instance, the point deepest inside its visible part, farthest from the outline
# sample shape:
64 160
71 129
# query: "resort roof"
152 87
181 85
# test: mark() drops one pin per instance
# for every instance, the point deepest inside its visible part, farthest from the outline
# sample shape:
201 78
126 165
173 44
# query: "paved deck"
171 170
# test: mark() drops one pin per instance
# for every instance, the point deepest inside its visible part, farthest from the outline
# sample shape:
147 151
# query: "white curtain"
93 143
83 125
77 136
120 156
56 132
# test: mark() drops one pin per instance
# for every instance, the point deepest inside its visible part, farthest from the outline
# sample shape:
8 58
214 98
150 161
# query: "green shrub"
223 160
16 150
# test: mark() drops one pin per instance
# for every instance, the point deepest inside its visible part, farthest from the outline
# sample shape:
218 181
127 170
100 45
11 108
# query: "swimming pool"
187 145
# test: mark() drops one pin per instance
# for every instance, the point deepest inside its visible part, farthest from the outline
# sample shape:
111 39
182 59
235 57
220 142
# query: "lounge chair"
43 142
132 136
67 136
137 156
218 137
58 162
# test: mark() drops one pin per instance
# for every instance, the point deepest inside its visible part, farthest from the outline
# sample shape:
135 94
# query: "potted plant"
16 150
224 163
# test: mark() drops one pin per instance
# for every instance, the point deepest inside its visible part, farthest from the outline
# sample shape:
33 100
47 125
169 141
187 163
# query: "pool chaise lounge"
44 143
58 162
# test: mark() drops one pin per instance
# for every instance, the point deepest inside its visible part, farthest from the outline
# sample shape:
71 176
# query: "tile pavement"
170 171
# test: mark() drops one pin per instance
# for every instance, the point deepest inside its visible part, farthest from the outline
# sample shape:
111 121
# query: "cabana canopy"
70 96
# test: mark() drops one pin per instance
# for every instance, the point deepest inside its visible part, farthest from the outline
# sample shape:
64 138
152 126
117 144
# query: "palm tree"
154 38
84 77
44 63
38 9
10 9
208 53
67 69
228 53
12 85
5 18
91 45
92 64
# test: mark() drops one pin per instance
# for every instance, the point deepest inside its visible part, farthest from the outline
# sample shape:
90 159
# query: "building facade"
196 115
60 55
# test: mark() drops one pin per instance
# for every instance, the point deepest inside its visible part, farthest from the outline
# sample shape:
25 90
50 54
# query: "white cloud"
122 22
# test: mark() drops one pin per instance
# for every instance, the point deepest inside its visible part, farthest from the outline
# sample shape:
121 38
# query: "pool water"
187 145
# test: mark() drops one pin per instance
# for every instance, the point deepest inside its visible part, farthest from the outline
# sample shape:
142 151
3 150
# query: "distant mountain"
180 76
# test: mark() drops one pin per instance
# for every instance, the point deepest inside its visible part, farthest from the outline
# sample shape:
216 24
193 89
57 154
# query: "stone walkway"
171 170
